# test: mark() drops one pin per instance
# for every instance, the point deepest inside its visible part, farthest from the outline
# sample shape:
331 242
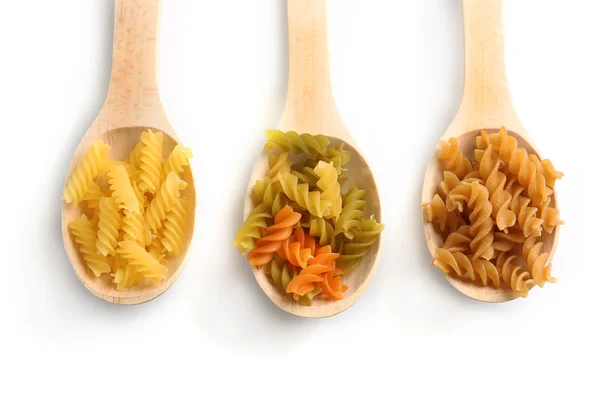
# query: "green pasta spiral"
352 251
292 142
353 204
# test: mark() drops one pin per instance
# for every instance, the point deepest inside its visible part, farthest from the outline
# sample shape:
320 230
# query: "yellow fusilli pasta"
178 158
109 222
121 188
151 161
93 195
94 163
174 227
144 263
164 200
84 234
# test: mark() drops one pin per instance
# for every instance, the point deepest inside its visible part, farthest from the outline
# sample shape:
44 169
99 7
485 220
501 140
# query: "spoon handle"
486 99
310 105
133 89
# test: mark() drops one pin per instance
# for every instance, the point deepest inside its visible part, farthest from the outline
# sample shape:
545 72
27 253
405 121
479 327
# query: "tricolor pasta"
133 217
305 231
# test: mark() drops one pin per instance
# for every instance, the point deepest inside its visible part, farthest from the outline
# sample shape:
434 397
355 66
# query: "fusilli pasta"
94 163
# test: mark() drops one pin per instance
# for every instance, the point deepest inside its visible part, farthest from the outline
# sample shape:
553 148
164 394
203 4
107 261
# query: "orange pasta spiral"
455 160
436 211
320 271
526 215
476 197
519 163
466 266
274 236
536 260
495 182
518 278
298 249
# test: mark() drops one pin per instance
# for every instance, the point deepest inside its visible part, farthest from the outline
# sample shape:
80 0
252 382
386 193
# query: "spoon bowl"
132 105
434 175
310 108
358 279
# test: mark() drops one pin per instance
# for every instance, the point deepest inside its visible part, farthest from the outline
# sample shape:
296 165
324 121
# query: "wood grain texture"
486 104
310 108
132 105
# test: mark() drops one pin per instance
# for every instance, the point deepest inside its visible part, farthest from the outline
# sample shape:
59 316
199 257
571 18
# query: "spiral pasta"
84 235
123 193
164 200
518 278
352 251
125 275
466 266
120 214
292 142
449 182
318 271
475 196
459 240
250 230
323 229
278 164
526 215
151 161
176 161
274 237
144 263
133 222
94 163
495 182
135 156
353 204
506 194
330 187
299 193
519 164
93 194
455 160
298 249
537 261
174 227
549 217
436 211
109 222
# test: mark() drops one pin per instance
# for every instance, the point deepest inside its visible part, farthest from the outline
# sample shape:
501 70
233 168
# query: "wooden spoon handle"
310 105
486 99
133 91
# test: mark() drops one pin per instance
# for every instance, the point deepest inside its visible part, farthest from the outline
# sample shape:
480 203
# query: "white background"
397 70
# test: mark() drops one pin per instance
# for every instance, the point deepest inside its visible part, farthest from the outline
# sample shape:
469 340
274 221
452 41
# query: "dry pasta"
305 232
131 227
493 213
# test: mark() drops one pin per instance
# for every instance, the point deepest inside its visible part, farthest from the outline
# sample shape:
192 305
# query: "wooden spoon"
486 104
132 105
310 108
